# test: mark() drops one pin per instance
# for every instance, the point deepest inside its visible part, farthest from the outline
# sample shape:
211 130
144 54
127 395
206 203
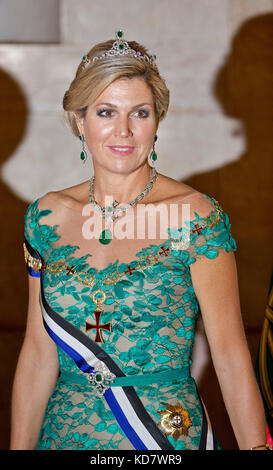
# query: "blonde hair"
89 83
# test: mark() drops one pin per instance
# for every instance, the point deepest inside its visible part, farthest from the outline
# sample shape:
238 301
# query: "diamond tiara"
120 48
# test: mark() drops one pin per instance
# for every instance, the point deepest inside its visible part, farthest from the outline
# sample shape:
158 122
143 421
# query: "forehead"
125 90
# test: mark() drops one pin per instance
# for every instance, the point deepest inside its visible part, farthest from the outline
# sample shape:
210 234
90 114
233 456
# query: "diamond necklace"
110 213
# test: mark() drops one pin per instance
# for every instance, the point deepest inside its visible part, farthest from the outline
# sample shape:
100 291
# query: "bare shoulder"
55 203
172 191
169 190
201 204
72 197
48 208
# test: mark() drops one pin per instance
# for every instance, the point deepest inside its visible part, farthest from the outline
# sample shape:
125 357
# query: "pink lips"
118 150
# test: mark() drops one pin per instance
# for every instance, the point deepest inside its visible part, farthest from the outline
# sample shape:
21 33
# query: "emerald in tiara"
120 48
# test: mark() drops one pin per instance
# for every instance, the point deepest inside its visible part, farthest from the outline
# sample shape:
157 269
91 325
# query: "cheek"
99 131
144 132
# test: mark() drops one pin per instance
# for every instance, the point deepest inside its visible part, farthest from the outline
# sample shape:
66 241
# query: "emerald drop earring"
83 155
153 154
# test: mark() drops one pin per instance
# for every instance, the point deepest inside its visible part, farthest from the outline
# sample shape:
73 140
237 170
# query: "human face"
120 126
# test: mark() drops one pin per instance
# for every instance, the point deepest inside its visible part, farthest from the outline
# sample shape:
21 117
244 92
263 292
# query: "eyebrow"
114 106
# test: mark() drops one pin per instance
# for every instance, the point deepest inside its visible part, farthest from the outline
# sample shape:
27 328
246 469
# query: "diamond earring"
83 155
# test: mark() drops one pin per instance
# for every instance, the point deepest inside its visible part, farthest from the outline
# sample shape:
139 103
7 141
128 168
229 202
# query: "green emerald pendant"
105 236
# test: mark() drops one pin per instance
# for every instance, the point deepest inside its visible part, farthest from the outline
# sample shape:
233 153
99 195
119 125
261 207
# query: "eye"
143 113
104 112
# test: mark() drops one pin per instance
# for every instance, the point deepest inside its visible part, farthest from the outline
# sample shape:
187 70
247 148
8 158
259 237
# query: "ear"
79 122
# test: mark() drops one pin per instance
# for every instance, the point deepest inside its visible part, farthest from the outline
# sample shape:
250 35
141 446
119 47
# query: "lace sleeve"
204 236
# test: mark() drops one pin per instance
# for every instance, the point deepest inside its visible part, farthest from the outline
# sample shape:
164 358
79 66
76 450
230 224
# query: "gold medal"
175 421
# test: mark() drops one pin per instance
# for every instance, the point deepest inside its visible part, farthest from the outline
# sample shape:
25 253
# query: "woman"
105 363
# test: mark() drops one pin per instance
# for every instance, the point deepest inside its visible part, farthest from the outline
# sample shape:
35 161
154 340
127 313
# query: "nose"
123 128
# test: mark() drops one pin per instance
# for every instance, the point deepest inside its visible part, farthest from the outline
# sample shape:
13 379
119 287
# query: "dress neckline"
151 250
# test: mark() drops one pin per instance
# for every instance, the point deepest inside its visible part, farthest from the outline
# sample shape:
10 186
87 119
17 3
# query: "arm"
216 286
35 377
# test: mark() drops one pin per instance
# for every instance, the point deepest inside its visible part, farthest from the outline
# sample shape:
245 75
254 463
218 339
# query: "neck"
123 188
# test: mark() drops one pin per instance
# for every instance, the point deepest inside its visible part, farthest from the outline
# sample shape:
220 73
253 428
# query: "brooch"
175 421
101 378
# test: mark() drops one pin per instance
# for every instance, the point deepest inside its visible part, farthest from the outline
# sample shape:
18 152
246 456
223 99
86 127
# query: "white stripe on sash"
134 420
210 440
88 356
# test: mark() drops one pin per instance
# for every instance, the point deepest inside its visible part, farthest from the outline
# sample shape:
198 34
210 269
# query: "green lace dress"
145 328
